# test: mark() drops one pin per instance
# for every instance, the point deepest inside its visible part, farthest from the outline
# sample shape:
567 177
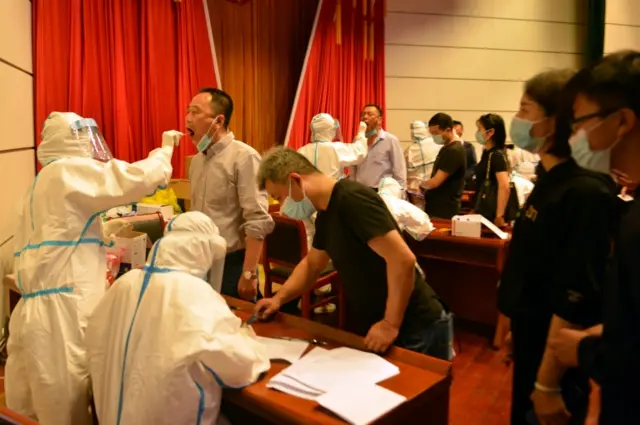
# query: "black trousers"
529 341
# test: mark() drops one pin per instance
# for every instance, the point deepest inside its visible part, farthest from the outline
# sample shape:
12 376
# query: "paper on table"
341 367
360 405
502 235
283 349
288 385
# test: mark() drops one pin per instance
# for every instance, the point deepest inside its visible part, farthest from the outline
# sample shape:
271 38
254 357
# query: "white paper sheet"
360 405
341 368
286 384
282 349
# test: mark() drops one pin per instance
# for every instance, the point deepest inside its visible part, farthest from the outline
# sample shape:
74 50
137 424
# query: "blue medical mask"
480 137
301 210
205 140
371 133
438 139
599 161
520 134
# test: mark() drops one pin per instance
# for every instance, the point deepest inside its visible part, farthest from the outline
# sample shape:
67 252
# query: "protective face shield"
520 134
418 131
68 135
324 128
300 210
87 130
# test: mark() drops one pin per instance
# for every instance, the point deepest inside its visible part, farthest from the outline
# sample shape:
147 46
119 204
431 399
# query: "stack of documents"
343 381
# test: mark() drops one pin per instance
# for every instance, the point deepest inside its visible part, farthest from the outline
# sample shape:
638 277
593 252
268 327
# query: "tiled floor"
481 390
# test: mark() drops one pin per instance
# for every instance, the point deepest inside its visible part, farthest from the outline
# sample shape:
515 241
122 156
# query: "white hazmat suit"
162 344
329 156
409 217
60 263
420 155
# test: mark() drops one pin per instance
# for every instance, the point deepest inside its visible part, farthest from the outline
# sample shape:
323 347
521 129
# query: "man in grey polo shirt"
385 156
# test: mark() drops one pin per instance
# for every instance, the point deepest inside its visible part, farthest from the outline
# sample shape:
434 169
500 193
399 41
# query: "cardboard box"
182 189
166 210
132 248
469 226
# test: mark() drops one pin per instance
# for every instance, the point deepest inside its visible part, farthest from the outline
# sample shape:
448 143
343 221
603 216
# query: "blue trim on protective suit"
50 291
148 271
170 224
219 381
200 402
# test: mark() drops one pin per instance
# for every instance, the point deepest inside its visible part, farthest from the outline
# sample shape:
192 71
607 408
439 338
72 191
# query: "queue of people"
569 285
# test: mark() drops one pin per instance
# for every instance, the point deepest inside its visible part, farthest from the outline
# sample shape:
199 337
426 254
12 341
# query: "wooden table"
425 381
15 418
463 271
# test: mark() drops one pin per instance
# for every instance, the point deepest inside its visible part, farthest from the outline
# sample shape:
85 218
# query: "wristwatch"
249 274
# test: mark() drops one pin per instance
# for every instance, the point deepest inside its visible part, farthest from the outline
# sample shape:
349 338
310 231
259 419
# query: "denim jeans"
233 269
435 340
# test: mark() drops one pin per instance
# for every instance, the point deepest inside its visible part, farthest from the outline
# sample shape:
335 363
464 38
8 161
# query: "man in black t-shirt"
444 189
387 297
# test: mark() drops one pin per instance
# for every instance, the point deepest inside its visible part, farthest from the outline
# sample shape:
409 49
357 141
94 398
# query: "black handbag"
487 198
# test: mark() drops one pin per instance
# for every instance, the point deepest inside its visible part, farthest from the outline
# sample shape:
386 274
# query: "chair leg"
342 310
305 305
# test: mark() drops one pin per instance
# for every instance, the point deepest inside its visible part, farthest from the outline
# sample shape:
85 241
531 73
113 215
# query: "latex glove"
171 138
112 228
362 128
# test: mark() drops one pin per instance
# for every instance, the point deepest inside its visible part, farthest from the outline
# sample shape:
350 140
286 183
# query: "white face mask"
438 139
599 161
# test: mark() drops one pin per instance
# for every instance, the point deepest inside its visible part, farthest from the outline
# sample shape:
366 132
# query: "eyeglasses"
604 113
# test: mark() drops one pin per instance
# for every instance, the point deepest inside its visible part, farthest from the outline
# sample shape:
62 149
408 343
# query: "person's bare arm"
252 253
551 371
435 181
503 192
304 276
400 274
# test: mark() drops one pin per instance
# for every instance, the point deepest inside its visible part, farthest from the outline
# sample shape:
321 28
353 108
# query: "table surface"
419 374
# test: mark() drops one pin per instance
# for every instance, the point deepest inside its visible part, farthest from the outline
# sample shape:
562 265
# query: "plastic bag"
163 197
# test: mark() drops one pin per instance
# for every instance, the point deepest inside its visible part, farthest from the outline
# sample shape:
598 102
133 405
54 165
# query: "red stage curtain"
344 69
133 66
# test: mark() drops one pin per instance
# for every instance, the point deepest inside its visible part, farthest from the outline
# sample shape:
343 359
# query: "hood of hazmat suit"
162 344
60 264
420 155
409 217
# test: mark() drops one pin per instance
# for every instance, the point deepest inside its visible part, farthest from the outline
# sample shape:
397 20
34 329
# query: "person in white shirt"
420 155
327 152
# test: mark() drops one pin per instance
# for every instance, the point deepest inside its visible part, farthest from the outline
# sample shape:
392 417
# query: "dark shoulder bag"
487 198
